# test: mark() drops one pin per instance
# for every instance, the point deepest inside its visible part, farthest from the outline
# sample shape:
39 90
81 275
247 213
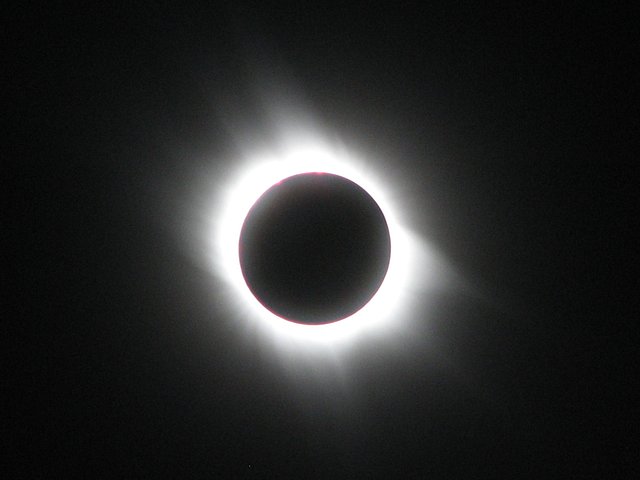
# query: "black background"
510 127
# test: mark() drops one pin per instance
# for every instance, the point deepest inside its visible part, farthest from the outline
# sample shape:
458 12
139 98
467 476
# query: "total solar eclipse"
314 248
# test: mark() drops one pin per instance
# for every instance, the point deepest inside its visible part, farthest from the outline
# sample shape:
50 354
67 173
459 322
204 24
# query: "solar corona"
310 242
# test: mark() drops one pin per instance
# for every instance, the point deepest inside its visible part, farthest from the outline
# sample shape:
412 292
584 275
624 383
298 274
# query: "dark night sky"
510 129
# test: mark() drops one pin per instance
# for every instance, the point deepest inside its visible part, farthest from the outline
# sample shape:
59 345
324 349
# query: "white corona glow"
383 314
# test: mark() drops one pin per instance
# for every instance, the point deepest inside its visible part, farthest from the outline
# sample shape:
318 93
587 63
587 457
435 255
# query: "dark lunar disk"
314 248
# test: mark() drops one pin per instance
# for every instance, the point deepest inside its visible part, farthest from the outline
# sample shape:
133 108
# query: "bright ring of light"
383 312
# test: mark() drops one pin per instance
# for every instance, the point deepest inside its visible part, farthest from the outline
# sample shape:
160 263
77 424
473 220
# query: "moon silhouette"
314 248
